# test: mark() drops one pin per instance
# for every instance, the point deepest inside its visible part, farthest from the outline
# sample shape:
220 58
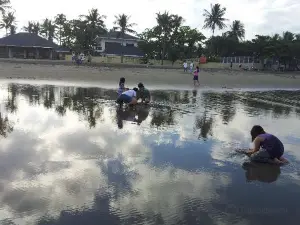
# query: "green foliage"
8 21
215 17
168 39
123 26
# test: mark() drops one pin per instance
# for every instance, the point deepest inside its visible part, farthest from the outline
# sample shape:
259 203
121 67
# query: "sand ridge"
170 78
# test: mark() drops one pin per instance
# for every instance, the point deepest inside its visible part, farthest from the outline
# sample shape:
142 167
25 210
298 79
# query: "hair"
256 130
135 89
122 80
140 85
197 67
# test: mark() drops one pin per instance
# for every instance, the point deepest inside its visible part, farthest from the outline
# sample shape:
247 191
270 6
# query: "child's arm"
256 148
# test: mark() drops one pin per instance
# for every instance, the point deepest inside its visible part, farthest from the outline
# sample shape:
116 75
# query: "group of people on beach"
192 70
132 96
79 58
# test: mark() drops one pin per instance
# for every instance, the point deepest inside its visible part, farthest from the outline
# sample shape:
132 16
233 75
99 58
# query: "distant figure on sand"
196 76
231 65
185 65
89 58
73 57
191 66
121 86
143 93
267 147
128 97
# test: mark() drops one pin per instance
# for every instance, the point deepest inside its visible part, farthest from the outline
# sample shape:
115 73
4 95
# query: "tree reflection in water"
6 126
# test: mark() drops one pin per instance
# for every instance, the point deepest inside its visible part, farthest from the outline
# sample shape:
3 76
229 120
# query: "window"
129 45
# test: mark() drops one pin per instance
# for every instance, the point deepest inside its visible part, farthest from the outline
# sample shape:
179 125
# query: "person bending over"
267 147
143 94
128 97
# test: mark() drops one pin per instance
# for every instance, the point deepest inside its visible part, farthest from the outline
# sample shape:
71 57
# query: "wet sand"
152 78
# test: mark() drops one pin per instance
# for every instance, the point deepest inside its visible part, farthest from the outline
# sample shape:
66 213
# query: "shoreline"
161 79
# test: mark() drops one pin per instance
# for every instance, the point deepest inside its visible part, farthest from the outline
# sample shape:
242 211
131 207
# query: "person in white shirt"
191 66
185 65
128 96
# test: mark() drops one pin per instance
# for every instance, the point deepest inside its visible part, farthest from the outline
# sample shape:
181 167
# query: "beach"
153 78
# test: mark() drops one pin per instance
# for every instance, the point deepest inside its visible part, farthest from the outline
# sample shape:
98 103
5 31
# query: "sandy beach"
152 78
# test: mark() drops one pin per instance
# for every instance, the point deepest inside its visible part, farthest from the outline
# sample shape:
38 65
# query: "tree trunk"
163 53
122 49
60 37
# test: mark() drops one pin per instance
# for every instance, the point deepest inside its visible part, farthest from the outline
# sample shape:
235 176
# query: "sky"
259 16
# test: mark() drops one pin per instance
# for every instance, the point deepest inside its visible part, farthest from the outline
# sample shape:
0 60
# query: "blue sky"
259 16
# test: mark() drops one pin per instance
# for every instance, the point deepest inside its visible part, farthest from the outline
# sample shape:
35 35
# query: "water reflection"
261 172
65 160
6 126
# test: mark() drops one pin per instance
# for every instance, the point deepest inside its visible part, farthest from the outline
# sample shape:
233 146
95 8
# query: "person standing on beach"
196 76
231 64
121 86
185 65
73 57
191 66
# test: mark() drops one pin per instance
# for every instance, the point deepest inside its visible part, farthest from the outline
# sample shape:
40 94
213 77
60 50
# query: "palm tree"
60 21
4 4
29 27
237 30
95 24
36 28
12 30
123 26
8 21
48 29
163 29
215 18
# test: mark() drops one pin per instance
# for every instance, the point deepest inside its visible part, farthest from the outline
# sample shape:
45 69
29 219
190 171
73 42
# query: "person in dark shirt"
143 94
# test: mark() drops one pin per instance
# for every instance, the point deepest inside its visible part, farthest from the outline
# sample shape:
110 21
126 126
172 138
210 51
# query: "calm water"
67 156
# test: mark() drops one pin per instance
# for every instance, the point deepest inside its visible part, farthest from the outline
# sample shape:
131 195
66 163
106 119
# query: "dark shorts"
195 77
263 156
124 99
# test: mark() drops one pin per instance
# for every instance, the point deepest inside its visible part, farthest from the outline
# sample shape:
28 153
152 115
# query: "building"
111 44
30 46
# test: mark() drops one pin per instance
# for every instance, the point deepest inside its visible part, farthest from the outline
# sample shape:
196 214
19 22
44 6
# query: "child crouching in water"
196 74
267 147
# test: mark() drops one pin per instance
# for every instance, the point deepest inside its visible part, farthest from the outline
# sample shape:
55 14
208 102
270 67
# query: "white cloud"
259 16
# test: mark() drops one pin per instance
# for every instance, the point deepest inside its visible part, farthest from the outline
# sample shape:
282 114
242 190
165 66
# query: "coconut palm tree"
237 30
94 25
36 28
8 21
163 30
215 18
60 21
12 30
123 26
4 4
48 29
29 27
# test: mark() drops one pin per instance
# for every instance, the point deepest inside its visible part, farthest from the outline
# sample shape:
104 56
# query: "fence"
239 59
